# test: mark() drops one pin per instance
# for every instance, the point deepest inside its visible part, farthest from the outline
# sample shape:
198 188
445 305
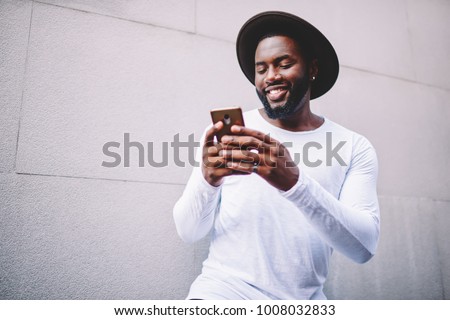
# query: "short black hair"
305 49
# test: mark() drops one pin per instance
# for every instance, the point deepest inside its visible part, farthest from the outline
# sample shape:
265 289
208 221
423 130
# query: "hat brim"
285 23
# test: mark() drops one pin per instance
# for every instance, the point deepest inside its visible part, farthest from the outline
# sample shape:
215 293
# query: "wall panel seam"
395 78
113 17
100 179
23 86
412 197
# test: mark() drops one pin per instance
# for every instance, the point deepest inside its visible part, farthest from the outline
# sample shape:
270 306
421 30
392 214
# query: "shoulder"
357 140
362 151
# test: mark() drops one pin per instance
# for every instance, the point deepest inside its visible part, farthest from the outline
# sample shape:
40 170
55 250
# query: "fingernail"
236 128
231 165
226 139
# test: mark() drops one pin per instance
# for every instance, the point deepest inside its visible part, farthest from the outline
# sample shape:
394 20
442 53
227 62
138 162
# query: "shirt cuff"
298 187
207 188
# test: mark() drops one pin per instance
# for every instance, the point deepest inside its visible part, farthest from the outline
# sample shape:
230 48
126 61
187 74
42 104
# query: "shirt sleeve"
349 224
194 212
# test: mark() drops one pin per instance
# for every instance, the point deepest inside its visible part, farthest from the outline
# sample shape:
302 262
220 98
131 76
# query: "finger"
245 131
214 162
238 155
211 132
268 160
225 172
244 167
212 151
246 142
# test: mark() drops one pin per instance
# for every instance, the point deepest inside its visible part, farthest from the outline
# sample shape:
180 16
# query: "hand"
214 165
272 161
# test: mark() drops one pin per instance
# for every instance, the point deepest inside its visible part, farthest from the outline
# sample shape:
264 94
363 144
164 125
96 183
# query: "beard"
296 95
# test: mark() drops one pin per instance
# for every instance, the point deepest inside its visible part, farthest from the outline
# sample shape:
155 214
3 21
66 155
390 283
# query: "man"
275 220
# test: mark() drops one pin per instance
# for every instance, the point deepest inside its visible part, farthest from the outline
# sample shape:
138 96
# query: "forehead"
275 46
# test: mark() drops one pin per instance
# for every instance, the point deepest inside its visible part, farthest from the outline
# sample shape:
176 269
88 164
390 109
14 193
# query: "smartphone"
229 117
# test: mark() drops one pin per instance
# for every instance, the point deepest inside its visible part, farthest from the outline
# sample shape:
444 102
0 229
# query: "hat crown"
309 37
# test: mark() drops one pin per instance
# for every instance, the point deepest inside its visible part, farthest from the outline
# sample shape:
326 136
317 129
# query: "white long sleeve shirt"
269 244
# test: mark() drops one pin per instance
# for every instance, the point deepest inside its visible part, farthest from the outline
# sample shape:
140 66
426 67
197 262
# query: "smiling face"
281 76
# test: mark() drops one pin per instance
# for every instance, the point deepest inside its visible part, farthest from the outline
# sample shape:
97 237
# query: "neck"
302 120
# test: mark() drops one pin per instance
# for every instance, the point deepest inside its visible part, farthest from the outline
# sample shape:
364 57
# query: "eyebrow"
277 60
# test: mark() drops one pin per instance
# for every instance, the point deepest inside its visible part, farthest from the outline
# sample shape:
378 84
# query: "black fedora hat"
311 39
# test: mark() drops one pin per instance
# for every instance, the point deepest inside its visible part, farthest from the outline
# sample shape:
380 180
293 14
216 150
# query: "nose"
272 75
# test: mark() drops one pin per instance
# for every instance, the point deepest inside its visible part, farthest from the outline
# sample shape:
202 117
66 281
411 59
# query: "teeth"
274 91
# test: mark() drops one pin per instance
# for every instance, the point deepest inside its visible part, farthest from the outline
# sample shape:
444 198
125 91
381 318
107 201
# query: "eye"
261 70
286 66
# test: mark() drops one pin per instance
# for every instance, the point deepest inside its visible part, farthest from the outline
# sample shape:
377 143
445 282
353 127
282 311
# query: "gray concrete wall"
76 74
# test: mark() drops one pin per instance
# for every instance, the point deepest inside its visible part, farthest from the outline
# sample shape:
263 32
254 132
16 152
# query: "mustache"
277 83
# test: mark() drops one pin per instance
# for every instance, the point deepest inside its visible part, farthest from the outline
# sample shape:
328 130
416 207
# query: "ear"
313 69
